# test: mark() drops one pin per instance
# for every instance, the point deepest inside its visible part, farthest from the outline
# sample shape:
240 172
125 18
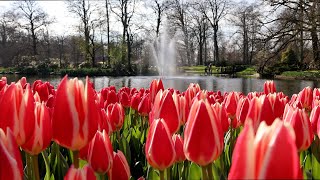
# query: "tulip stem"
29 165
46 161
75 159
204 173
35 166
161 175
168 173
209 170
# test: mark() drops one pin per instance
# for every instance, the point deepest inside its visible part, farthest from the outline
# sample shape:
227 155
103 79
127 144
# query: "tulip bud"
86 173
242 109
115 116
42 133
17 111
75 116
314 118
305 97
165 108
203 136
135 101
120 169
300 122
270 154
3 82
144 107
269 87
159 149
10 158
178 146
100 152
155 87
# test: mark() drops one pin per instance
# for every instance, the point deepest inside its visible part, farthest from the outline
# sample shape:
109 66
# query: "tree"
247 18
85 11
35 19
124 10
214 11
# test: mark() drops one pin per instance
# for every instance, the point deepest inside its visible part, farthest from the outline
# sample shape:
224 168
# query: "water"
210 83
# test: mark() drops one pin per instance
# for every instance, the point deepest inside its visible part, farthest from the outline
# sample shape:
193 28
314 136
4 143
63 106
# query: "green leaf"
194 172
152 174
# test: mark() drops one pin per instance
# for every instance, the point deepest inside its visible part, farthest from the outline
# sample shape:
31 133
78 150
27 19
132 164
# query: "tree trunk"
34 39
215 44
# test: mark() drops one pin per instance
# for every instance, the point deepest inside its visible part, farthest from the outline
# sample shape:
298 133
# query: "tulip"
159 149
111 98
278 103
231 102
191 92
222 115
17 111
86 173
144 107
135 101
242 109
44 89
10 158
260 110
305 97
270 154
3 82
315 122
42 133
203 135
120 169
155 87
75 116
100 153
300 122
115 116
181 106
269 87
178 146
165 108
124 98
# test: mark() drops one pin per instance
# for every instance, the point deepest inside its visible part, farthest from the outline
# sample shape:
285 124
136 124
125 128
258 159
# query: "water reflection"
210 83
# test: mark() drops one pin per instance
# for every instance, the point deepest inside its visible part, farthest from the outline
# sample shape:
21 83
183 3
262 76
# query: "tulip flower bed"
75 132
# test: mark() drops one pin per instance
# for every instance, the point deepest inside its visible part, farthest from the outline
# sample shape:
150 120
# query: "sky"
64 21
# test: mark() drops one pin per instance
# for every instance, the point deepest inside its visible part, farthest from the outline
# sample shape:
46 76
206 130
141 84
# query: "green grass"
195 69
247 72
311 74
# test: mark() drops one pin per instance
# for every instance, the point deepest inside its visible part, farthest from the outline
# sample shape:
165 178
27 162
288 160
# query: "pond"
210 83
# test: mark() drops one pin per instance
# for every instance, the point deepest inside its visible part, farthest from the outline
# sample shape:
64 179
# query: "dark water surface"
210 83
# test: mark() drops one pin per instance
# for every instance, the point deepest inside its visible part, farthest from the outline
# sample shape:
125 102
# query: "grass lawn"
310 74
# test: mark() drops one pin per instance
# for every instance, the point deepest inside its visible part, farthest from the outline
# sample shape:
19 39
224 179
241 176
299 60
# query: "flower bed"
74 132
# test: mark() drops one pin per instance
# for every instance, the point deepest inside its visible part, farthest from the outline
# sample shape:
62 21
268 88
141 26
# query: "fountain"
164 54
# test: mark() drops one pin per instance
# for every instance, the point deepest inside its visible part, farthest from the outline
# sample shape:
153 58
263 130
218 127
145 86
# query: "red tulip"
269 87
315 122
278 103
42 133
124 98
155 87
3 82
135 101
100 152
270 154
231 102
17 111
10 158
144 107
305 97
111 98
242 109
86 173
178 146
191 92
159 149
260 110
165 108
115 116
182 107
222 115
44 89
300 122
120 169
75 116
203 135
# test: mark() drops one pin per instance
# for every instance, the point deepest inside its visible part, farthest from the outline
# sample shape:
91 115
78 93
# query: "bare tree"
124 10
35 19
214 11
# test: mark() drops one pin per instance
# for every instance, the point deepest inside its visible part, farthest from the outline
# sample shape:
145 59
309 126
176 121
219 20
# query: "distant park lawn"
310 74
